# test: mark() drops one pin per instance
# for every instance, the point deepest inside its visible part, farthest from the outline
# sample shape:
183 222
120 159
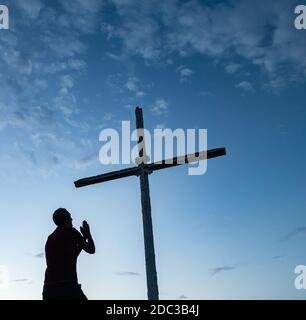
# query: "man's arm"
88 244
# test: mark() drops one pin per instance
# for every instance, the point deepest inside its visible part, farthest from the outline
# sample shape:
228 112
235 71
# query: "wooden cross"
143 170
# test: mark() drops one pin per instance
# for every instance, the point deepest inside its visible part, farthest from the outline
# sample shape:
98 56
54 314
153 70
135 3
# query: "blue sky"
71 68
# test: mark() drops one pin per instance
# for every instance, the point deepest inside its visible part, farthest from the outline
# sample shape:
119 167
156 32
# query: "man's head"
62 217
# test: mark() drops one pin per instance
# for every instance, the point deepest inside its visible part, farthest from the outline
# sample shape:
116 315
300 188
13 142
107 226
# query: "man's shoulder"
60 233
76 234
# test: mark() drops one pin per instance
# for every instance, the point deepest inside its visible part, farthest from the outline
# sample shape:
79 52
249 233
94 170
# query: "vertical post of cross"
146 211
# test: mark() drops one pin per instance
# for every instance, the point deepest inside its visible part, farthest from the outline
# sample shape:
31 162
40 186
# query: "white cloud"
30 64
82 15
245 85
41 84
140 94
67 82
30 119
64 47
160 107
233 68
108 116
160 126
18 61
87 161
184 72
131 84
259 32
82 6
66 101
77 64
31 8
138 30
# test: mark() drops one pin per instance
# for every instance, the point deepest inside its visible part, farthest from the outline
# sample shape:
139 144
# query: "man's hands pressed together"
85 229
88 243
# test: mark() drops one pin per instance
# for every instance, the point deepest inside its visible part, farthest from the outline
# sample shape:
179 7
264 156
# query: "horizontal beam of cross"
135 171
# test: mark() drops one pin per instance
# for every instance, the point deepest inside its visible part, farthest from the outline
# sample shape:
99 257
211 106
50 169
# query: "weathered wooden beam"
135 171
151 272
190 158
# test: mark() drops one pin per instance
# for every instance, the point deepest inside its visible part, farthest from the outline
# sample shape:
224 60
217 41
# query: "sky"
69 69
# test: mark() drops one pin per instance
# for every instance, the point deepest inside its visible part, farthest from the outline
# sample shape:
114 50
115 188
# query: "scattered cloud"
23 281
31 8
108 116
160 107
297 232
87 161
67 82
205 93
160 126
127 273
138 36
223 30
233 68
220 269
77 64
277 257
20 280
116 82
140 94
245 86
184 72
40 255
66 101
132 85
119 84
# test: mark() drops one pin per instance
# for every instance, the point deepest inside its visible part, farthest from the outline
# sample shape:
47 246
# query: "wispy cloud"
108 116
245 85
87 161
184 73
22 281
277 257
39 255
31 8
220 269
300 231
127 273
160 107
185 28
132 85
120 84
233 68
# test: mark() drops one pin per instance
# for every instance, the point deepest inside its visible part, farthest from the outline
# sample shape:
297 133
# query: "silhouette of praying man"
62 250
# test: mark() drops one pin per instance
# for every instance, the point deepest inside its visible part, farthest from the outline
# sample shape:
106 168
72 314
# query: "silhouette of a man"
62 249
